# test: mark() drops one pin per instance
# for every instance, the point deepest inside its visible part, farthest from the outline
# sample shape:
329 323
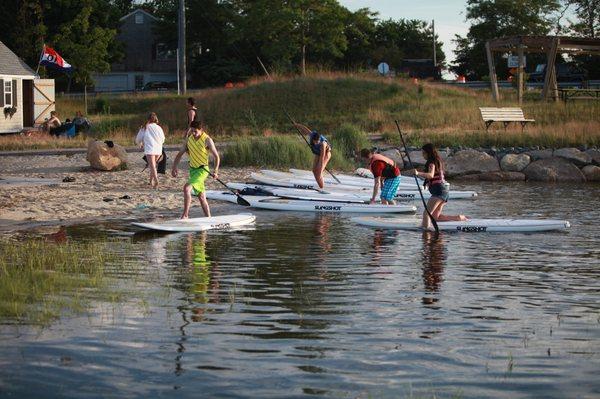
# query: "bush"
102 106
348 140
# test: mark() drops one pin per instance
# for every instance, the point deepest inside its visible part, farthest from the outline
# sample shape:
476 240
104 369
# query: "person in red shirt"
386 175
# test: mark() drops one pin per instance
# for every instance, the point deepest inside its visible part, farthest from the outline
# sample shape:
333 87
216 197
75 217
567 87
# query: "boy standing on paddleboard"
386 175
197 145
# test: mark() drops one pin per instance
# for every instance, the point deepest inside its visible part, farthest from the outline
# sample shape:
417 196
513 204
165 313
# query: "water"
315 306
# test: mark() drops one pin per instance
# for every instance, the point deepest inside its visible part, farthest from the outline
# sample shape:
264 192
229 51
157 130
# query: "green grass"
39 280
440 113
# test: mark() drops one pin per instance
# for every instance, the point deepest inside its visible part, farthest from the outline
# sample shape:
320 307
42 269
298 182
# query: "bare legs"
435 206
319 168
187 202
152 159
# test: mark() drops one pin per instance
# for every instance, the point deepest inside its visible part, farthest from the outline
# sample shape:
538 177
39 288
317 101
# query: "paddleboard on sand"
281 204
404 193
470 226
200 224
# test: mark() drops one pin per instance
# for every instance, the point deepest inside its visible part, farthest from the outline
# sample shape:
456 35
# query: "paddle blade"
242 201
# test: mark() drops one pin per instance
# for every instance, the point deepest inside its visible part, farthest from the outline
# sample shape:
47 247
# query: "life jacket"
390 170
197 151
438 176
316 148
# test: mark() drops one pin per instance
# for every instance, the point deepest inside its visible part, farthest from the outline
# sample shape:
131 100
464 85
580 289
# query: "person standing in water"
198 145
386 175
322 150
438 187
192 112
151 138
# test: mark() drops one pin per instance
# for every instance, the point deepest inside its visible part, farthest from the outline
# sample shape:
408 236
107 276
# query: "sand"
93 194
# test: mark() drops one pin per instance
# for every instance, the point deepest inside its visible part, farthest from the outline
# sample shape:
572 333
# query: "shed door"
43 99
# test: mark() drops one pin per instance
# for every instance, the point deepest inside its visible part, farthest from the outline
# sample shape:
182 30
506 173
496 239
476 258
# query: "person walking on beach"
151 138
386 175
438 187
198 145
192 111
322 150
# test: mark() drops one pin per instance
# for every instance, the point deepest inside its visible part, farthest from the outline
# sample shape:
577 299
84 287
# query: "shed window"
139 18
8 91
163 52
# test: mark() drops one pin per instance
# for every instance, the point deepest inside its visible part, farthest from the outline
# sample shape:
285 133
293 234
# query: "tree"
498 18
587 25
359 28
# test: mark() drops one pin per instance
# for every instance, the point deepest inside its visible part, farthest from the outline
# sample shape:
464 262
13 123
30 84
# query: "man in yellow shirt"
197 145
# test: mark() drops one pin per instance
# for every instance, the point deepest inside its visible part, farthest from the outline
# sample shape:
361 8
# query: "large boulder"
106 155
553 169
595 155
579 158
395 156
514 162
468 162
416 157
495 176
536 155
591 172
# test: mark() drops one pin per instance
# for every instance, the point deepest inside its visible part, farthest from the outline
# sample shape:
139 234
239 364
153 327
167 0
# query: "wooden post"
85 98
492 68
550 78
521 76
181 50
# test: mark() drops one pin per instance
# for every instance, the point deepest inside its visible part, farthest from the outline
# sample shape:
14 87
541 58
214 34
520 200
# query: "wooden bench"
579 94
504 115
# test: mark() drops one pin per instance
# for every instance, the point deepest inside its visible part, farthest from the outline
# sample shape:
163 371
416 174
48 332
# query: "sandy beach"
32 190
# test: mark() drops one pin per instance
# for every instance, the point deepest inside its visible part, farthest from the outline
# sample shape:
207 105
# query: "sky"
449 15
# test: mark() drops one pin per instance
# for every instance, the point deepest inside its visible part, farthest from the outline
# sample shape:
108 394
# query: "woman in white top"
151 138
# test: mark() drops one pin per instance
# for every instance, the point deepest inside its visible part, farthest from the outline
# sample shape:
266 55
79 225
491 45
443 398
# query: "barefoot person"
434 180
386 175
322 150
52 125
151 138
197 145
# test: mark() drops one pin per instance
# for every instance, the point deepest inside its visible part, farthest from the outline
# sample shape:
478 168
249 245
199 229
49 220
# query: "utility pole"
182 74
434 46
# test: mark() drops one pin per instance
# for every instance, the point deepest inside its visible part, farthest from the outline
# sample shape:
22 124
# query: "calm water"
312 305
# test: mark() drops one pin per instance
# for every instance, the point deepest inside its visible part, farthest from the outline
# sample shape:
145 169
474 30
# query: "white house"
24 100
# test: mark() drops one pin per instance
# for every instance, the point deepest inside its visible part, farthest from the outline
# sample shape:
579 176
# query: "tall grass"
40 279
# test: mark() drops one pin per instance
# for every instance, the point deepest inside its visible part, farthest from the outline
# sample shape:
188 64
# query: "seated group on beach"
198 145
70 128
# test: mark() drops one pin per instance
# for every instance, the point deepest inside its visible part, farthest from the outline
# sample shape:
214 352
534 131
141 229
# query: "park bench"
504 115
579 94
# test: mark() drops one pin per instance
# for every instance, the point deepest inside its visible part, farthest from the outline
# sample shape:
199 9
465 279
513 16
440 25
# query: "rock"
595 155
579 158
416 157
469 162
553 169
495 176
103 157
364 172
591 172
514 162
395 156
539 154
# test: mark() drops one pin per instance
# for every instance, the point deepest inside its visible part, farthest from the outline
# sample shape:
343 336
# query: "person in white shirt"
151 138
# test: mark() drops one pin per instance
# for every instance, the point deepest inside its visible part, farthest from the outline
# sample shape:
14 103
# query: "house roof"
10 64
135 12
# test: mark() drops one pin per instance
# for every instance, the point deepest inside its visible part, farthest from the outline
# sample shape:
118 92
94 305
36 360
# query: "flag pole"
40 59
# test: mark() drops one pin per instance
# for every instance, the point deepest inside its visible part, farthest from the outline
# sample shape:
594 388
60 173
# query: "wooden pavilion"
550 45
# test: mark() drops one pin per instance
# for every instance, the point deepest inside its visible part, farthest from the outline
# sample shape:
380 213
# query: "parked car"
160 86
564 73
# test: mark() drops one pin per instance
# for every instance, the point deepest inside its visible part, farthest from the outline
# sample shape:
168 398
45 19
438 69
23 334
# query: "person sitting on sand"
197 145
52 125
81 122
439 189
386 175
322 150
151 137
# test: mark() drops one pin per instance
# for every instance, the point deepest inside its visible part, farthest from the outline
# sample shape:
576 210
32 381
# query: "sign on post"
383 68
513 61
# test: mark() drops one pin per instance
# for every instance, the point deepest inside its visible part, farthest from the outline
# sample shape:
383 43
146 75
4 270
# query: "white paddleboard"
282 204
200 224
352 180
470 226
311 184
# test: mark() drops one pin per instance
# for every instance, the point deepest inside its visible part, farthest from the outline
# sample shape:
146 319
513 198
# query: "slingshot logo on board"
327 208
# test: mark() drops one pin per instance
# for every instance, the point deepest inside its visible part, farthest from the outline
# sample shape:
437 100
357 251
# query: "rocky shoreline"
515 164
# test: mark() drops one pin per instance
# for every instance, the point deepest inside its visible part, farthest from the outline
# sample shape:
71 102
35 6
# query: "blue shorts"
390 188
440 191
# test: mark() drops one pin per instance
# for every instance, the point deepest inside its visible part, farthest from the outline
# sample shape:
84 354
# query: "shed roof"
10 64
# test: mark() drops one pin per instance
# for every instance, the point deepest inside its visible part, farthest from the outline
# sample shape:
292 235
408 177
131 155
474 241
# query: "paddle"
435 225
240 199
306 141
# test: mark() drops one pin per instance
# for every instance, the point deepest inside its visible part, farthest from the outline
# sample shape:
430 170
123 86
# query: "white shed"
25 101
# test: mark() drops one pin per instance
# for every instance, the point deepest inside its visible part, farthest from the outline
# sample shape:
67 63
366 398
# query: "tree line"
225 37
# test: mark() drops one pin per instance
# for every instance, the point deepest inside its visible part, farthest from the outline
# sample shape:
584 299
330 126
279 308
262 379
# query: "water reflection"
433 258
